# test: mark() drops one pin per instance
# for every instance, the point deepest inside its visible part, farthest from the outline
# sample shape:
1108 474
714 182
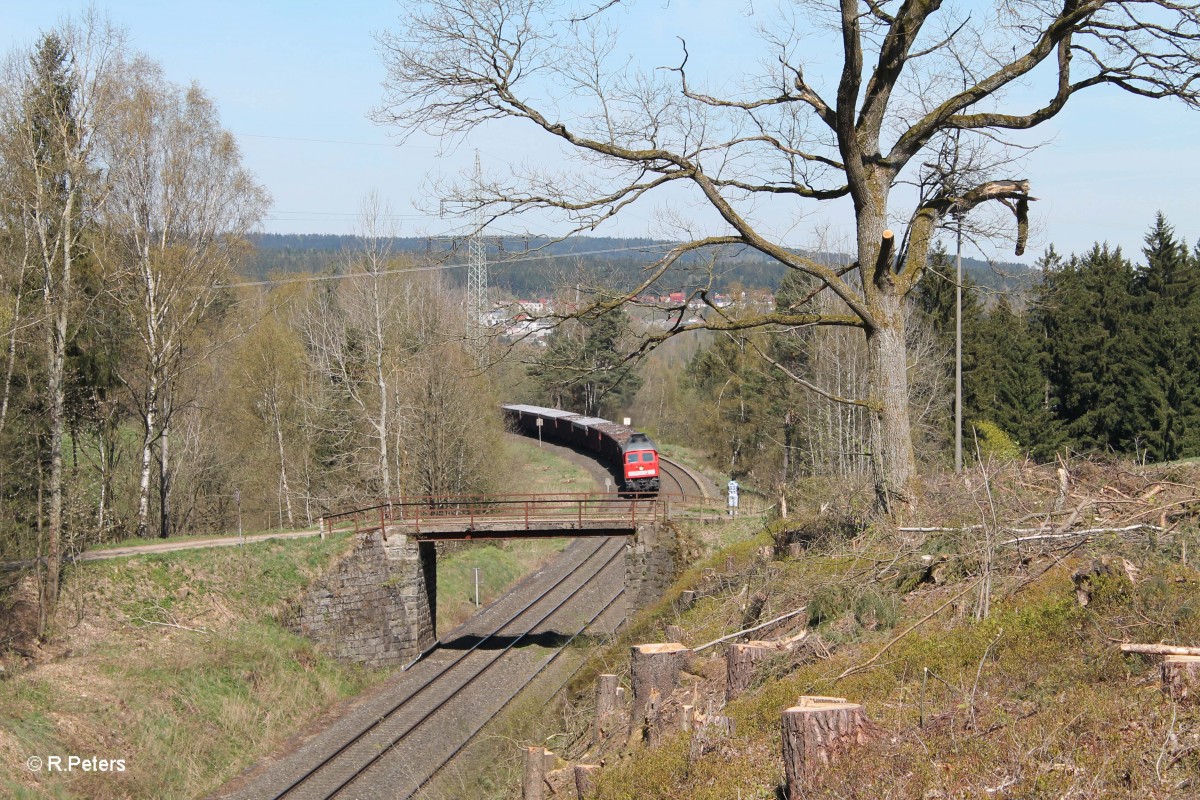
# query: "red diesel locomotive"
628 453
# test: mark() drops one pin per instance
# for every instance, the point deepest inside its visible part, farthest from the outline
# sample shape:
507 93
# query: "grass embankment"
175 663
1027 696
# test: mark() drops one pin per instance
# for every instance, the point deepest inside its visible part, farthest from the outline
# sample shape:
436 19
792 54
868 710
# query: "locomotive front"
640 464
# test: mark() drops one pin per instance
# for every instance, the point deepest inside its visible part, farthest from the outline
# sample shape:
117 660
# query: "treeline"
1103 355
1099 355
141 395
538 267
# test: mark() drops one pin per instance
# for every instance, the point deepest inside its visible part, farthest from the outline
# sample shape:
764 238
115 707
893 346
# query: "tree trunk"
283 480
11 350
57 304
653 667
816 733
1181 678
149 420
164 483
893 462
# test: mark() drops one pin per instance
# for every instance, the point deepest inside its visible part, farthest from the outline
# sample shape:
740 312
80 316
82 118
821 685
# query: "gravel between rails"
408 763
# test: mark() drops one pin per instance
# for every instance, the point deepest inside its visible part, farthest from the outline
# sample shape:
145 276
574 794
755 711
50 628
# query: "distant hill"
538 266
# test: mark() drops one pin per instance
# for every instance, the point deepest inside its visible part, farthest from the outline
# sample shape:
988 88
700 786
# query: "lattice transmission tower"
477 276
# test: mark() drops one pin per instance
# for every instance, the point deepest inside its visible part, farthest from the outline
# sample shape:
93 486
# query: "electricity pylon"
477 277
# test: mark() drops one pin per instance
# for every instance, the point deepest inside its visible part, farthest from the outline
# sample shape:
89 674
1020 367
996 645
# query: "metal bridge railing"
517 512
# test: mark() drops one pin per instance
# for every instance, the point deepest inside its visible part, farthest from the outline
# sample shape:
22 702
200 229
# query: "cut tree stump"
1181 678
686 600
534 782
608 706
674 633
708 733
752 612
815 733
585 780
654 667
742 659
1118 573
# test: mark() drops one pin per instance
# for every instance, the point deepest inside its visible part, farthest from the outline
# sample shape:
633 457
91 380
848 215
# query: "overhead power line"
436 267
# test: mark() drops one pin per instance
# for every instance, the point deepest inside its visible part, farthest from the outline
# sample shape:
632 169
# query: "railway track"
380 755
676 479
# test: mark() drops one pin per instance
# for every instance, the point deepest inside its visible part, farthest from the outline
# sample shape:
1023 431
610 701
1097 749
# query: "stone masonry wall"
651 565
376 606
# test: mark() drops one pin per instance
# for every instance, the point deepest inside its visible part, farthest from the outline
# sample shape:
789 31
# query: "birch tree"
904 77
51 113
181 204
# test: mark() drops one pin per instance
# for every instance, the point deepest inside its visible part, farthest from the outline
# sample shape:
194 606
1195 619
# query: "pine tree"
588 366
729 374
1010 381
1167 301
1087 311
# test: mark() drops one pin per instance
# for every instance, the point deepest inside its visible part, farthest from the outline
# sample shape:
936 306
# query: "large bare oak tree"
908 76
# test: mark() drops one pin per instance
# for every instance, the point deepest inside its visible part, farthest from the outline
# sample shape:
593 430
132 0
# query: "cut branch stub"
883 264
817 732
687 714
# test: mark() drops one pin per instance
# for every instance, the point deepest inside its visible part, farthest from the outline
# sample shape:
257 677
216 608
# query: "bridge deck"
510 516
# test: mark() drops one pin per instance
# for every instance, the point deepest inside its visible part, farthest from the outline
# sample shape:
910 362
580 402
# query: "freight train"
629 454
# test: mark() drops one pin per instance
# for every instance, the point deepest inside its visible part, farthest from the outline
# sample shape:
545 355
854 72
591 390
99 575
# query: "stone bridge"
378 605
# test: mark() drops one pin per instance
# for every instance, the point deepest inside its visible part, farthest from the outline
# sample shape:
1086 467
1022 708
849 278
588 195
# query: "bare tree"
354 336
181 204
910 74
51 111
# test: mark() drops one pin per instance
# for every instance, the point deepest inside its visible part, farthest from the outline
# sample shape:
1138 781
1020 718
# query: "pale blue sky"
287 74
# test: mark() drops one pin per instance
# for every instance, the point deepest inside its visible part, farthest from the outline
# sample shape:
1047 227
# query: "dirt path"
167 547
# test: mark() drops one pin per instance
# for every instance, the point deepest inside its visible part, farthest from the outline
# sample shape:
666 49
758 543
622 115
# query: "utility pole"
958 398
477 275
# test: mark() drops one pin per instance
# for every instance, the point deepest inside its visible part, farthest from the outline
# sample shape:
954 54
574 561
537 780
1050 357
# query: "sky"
295 81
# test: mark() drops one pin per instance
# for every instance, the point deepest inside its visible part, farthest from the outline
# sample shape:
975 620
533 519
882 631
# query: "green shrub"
994 443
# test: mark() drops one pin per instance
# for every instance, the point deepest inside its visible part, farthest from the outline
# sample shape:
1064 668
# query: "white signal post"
538 422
